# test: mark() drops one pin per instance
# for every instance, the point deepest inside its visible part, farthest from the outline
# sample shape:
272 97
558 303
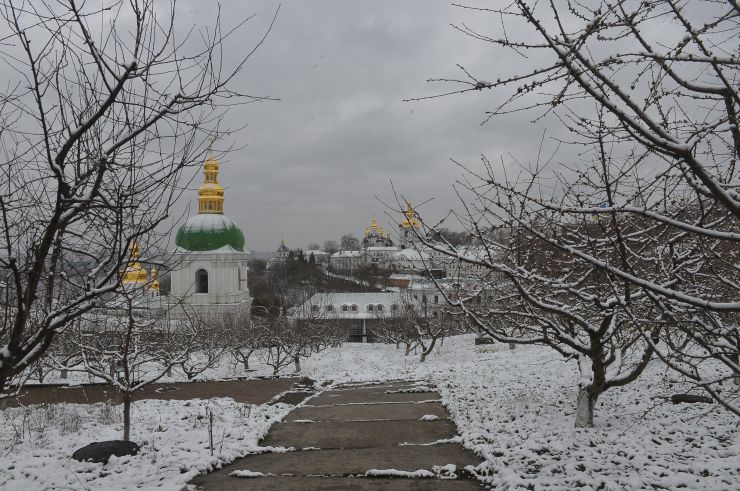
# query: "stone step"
358 434
281 483
359 396
368 412
353 461
380 388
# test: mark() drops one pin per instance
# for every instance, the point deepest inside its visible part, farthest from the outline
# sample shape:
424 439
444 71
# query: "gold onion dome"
134 273
409 220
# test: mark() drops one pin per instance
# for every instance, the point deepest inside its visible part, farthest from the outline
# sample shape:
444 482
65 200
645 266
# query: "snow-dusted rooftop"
347 254
352 305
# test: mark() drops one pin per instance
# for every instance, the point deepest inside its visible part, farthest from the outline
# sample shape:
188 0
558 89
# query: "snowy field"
515 409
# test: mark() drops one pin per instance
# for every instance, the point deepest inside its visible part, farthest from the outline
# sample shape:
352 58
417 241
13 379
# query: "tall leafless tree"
104 109
648 92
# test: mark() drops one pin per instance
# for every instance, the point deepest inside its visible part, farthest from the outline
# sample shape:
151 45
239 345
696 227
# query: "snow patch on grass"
429 417
448 471
418 474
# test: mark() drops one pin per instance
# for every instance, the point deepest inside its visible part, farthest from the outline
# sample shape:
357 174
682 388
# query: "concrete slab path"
341 434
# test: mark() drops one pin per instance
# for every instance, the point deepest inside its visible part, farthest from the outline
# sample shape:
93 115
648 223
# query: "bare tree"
649 89
130 350
349 242
104 110
399 325
211 337
331 246
245 337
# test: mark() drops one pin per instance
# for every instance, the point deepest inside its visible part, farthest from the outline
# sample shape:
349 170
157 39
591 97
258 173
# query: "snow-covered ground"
38 442
516 409
513 408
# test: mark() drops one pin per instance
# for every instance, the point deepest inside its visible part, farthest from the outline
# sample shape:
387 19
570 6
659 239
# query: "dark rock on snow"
690 398
100 452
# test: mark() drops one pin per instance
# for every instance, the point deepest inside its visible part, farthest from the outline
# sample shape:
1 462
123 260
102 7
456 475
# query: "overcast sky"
313 163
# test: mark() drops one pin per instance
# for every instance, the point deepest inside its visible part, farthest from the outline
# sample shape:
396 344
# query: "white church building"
209 264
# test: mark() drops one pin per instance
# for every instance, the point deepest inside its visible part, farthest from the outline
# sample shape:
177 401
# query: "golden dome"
134 274
410 220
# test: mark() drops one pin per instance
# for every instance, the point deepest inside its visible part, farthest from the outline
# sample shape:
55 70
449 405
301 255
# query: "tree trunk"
426 351
297 362
585 408
408 349
245 359
735 357
127 416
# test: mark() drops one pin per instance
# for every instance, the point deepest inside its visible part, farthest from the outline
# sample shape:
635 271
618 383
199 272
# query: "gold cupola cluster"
210 193
410 220
134 275
374 230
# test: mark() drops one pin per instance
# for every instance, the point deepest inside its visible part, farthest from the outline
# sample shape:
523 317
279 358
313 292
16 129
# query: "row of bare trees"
630 249
130 348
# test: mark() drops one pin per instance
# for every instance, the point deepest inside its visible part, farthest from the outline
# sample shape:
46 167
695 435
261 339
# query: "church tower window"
201 281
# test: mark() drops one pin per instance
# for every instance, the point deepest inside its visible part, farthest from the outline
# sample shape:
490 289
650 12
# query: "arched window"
379 308
370 308
345 308
354 308
330 308
201 281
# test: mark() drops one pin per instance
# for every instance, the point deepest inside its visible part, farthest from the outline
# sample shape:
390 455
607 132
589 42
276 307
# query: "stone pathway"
341 434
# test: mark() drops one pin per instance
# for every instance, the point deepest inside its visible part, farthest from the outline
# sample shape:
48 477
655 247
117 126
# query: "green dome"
208 232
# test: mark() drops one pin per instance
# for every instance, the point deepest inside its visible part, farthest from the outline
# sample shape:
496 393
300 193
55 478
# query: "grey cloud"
314 162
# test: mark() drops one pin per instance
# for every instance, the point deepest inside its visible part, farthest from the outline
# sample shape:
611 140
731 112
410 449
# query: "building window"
354 308
394 307
370 308
330 308
345 308
201 281
314 308
423 299
379 308
436 299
